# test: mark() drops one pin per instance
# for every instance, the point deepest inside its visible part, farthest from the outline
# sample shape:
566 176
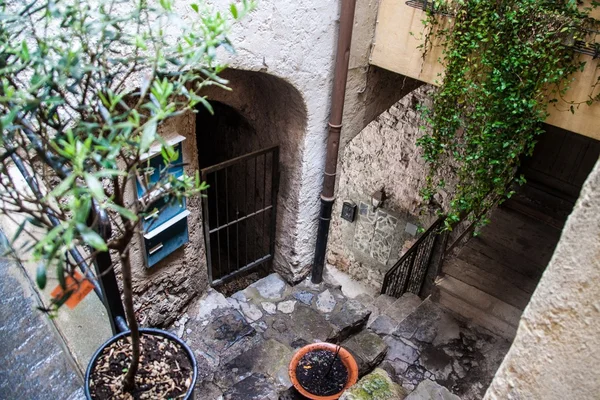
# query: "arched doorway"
248 146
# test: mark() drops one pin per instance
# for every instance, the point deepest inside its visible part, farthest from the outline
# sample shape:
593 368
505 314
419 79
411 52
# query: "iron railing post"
105 272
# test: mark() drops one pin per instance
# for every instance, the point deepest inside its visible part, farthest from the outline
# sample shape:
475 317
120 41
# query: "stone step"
272 288
483 309
380 304
429 390
301 314
392 312
492 283
432 344
376 385
368 349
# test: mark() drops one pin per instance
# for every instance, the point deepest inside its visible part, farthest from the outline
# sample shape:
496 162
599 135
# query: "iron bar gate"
239 213
409 273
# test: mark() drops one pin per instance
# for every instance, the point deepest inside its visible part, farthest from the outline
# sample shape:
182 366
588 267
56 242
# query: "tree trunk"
128 381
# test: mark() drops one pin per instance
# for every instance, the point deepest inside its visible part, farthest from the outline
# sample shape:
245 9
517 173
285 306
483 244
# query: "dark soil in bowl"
321 372
165 370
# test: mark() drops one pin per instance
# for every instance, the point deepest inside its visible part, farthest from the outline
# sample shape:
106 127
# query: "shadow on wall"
260 111
383 155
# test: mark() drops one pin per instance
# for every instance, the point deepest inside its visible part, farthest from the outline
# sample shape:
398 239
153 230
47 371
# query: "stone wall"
281 76
163 290
384 155
556 352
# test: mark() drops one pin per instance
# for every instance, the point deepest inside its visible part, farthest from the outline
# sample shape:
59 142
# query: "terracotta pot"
347 359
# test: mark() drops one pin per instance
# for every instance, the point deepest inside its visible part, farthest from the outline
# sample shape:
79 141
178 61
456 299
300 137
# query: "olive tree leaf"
40 276
91 237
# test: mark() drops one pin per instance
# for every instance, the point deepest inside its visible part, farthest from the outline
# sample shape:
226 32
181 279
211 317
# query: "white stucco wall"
294 41
556 352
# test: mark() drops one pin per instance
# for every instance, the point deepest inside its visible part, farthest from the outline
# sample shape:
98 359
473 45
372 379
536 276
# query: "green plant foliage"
84 86
505 62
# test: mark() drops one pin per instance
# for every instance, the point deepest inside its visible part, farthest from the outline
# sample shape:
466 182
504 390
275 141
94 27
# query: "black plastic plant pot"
145 331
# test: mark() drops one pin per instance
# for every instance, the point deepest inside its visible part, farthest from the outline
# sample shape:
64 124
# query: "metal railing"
105 282
409 273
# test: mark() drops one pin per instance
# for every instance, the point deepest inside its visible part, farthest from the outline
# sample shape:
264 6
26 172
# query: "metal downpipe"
340 78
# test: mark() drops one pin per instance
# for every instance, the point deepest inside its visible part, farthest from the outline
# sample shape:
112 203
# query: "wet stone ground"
431 344
33 362
244 343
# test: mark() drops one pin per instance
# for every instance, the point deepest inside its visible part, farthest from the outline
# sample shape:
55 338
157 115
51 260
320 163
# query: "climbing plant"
505 63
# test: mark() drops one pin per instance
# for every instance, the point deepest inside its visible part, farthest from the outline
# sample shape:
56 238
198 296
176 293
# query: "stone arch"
262 110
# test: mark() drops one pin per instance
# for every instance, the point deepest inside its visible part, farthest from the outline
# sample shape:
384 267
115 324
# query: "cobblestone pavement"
244 343
33 362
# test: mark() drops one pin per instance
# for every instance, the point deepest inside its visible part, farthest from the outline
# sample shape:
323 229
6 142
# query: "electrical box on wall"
349 211
166 229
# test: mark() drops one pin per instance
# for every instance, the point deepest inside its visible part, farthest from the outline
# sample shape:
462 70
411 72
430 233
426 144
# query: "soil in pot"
322 373
165 370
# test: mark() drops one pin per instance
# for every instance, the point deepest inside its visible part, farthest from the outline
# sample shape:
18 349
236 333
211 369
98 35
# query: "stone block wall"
383 156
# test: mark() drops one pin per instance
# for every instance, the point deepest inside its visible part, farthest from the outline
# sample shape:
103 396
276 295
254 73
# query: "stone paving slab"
368 350
432 344
34 362
429 390
270 358
254 387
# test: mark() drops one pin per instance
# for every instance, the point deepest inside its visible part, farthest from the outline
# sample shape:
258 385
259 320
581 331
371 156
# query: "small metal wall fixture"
349 211
377 199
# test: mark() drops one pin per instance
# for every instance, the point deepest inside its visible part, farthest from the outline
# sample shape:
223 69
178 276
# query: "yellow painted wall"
399 33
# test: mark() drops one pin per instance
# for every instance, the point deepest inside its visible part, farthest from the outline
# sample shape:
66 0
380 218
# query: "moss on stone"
375 386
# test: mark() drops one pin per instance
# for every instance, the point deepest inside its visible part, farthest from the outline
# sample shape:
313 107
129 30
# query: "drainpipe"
333 139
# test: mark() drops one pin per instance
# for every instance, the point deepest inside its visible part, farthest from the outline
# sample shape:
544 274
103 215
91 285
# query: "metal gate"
239 213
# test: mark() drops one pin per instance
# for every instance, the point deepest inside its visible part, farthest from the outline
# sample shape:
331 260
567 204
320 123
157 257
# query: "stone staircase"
427 343
491 279
244 343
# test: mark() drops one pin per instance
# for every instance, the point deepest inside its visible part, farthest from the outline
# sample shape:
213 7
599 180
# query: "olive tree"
84 86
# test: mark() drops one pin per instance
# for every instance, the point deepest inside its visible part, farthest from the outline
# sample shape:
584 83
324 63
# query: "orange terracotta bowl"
347 359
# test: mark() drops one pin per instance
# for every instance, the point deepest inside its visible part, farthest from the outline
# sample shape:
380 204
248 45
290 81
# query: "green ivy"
505 62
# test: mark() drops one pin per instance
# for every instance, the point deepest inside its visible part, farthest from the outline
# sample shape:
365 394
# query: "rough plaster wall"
163 290
370 90
385 155
296 42
556 352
